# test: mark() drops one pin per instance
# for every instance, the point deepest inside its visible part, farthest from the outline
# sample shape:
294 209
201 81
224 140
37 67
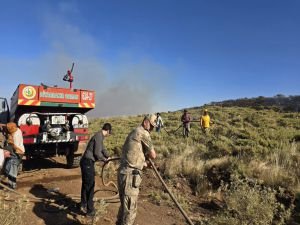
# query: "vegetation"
244 144
250 203
278 103
246 168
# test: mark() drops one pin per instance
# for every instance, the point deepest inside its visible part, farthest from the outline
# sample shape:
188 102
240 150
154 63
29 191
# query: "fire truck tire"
73 161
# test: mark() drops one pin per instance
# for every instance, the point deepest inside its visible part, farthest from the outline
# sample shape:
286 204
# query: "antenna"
69 77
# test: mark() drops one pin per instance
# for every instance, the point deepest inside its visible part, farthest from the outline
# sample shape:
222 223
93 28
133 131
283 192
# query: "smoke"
126 86
134 92
123 99
133 88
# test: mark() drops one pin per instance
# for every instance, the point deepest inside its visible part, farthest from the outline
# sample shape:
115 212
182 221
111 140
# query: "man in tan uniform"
136 149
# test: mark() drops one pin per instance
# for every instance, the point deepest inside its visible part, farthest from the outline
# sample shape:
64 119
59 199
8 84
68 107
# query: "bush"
248 203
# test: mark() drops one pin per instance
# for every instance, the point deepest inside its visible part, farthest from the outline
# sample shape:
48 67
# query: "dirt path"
53 176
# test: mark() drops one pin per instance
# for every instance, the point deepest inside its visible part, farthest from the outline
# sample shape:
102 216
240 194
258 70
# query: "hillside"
245 171
255 152
278 103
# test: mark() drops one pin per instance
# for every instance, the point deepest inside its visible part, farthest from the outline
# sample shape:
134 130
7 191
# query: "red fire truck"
52 119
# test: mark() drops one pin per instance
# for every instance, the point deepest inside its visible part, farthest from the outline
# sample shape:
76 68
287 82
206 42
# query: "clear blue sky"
146 56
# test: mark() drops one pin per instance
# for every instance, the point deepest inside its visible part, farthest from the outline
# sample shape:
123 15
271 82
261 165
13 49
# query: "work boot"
12 185
81 207
91 214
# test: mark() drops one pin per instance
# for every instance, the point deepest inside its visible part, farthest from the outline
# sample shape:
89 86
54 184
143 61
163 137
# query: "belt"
131 170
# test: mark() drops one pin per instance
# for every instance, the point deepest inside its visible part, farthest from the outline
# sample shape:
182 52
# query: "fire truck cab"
52 120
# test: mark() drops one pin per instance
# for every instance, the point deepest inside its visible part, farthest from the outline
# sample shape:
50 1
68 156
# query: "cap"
185 110
205 110
107 127
152 119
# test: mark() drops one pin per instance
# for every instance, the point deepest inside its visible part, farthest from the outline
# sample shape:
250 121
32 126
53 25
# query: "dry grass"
100 209
254 144
11 212
258 145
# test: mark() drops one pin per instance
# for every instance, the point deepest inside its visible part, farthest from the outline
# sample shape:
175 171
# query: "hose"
52 202
173 132
170 193
159 177
177 129
115 197
166 131
112 199
102 173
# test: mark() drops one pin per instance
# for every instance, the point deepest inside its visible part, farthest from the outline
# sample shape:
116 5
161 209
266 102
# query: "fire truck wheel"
73 161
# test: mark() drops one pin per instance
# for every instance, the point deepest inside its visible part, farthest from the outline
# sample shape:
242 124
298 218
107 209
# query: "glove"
108 158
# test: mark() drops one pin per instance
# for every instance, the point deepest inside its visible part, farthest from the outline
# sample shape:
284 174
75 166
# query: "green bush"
249 203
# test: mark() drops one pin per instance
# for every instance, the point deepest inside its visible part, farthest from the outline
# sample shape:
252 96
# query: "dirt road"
50 179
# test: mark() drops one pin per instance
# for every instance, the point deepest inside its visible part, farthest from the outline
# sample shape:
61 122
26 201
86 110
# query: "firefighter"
16 147
136 149
159 122
95 151
185 119
205 121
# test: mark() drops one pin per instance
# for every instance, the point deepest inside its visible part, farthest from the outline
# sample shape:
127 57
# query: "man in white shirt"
15 144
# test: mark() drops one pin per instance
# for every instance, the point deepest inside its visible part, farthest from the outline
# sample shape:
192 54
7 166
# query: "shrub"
248 203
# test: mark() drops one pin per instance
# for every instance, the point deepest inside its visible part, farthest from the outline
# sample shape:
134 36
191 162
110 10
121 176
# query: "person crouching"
17 150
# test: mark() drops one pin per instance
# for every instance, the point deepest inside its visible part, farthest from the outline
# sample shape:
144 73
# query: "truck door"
4 111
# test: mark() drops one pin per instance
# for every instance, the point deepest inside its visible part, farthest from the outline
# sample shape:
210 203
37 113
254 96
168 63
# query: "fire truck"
52 119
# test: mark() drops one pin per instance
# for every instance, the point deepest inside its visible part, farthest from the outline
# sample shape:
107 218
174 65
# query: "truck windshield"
4 111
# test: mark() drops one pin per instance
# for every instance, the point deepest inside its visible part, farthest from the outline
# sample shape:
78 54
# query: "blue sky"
146 56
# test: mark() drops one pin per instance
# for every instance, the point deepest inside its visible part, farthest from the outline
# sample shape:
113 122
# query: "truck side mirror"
3 105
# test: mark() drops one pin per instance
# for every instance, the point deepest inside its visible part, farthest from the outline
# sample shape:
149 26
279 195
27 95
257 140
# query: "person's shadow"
62 210
30 165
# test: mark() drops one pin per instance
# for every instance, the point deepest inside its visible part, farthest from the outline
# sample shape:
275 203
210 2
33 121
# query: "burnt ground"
50 179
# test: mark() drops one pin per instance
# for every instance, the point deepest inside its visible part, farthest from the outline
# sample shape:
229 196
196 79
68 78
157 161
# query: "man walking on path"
186 119
95 151
136 149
